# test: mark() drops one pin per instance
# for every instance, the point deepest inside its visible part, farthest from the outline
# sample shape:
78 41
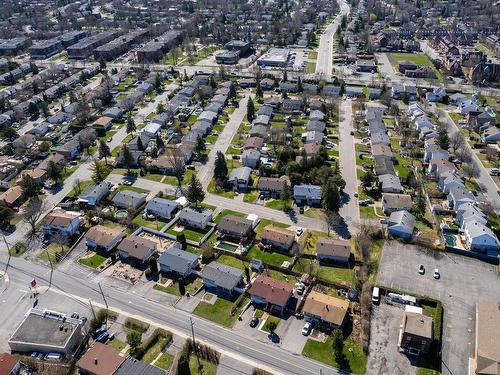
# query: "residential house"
94 194
459 195
382 150
167 164
292 105
161 208
221 279
325 312
395 202
270 294
312 149
250 158
467 211
195 218
137 249
316 115
416 333
480 238
390 183
12 197
100 359
253 143
128 199
59 222
384 166
313 137
178 261
236 229
316 126
331 250
132 366
401 224
239 178
9 364
436 95
486 358
307 194
103 239
103 122
70 149
276 238
258 131
491 135
272 186
37 174
466 106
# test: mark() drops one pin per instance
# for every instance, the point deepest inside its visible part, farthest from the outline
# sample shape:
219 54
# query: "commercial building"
274 57
50 47
11 47
85 47
120 45
156 48
47 331
487 346
227 57
238 45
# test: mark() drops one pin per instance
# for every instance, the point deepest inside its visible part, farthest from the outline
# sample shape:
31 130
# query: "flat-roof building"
50 47
120 45
10 47
156 48
47 331
275 57
238 45
85 47
227 57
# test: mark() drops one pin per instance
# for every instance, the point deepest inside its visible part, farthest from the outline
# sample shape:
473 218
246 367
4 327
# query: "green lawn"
207 368
336 275
419 59
165 361
274 259
232 262
83 185
277 204
154 350
281 276
219 191
191 234
484 49
172 289
117 344
93 262
270 319
456 117
251 196
152 224
310 67
132 188
54 253
367 212
219 312
353 352
312 55
223 213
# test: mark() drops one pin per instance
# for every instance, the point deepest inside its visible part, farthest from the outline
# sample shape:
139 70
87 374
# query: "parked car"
383 221
110 139
494 171
306 329
299 231
421 269
436 275
103 337
254 322
300 289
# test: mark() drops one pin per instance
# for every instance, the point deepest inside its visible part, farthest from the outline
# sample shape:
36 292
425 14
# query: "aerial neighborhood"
254 187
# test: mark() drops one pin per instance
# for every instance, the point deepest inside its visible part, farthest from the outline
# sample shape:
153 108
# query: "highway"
256 353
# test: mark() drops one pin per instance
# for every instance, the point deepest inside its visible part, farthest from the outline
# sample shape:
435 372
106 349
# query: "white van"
376 295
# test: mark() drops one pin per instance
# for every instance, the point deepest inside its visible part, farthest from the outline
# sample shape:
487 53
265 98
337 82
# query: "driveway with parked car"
463 282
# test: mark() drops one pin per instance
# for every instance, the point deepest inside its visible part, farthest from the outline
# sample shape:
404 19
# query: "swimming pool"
227 246
451 240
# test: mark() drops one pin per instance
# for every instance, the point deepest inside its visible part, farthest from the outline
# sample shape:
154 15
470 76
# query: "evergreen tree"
159 141
54 172
200 145
99 171
140 145
258 92
195 191
250 110
127 158
443 140
286 194
29 187
300 88
330 197
220 167
130 124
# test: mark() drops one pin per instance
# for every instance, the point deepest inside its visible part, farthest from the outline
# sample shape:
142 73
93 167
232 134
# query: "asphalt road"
347 161
484 178
205 172
463 283
324 62
228 342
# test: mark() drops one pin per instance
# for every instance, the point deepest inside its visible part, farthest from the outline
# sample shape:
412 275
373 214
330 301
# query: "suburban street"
347 161
324 62
485 180
205 172
228 342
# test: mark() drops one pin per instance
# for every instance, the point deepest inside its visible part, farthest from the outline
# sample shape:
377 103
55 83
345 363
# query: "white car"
436 275
494 171
299 231
307 329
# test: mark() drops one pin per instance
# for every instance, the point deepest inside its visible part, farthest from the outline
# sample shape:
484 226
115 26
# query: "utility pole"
194 341
51 267
105 302
8 251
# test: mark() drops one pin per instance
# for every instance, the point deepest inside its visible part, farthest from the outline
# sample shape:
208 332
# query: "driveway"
384 357
290 331
464 282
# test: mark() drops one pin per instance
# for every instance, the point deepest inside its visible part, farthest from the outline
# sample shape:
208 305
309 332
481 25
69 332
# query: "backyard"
335 275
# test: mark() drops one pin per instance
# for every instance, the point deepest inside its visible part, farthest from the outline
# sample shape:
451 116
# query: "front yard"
219 312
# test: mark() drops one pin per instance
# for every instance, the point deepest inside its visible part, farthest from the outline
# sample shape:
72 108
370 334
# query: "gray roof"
197 216
311 191
161 206
178 260
241 173
265 110
390 181
128 198
403 218
235 225
132 366
224 276
96 191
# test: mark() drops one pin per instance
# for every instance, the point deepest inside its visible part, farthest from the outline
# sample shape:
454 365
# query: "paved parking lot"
464 282
384 357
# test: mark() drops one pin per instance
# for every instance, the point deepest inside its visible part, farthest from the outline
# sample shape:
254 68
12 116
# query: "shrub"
136 325
134 339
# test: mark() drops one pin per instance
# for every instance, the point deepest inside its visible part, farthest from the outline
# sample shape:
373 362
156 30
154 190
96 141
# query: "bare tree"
332 220
32 213
457 141
471 170
176 163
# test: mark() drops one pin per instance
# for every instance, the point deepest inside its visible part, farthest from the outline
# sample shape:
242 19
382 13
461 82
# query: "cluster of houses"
472 221
395 202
